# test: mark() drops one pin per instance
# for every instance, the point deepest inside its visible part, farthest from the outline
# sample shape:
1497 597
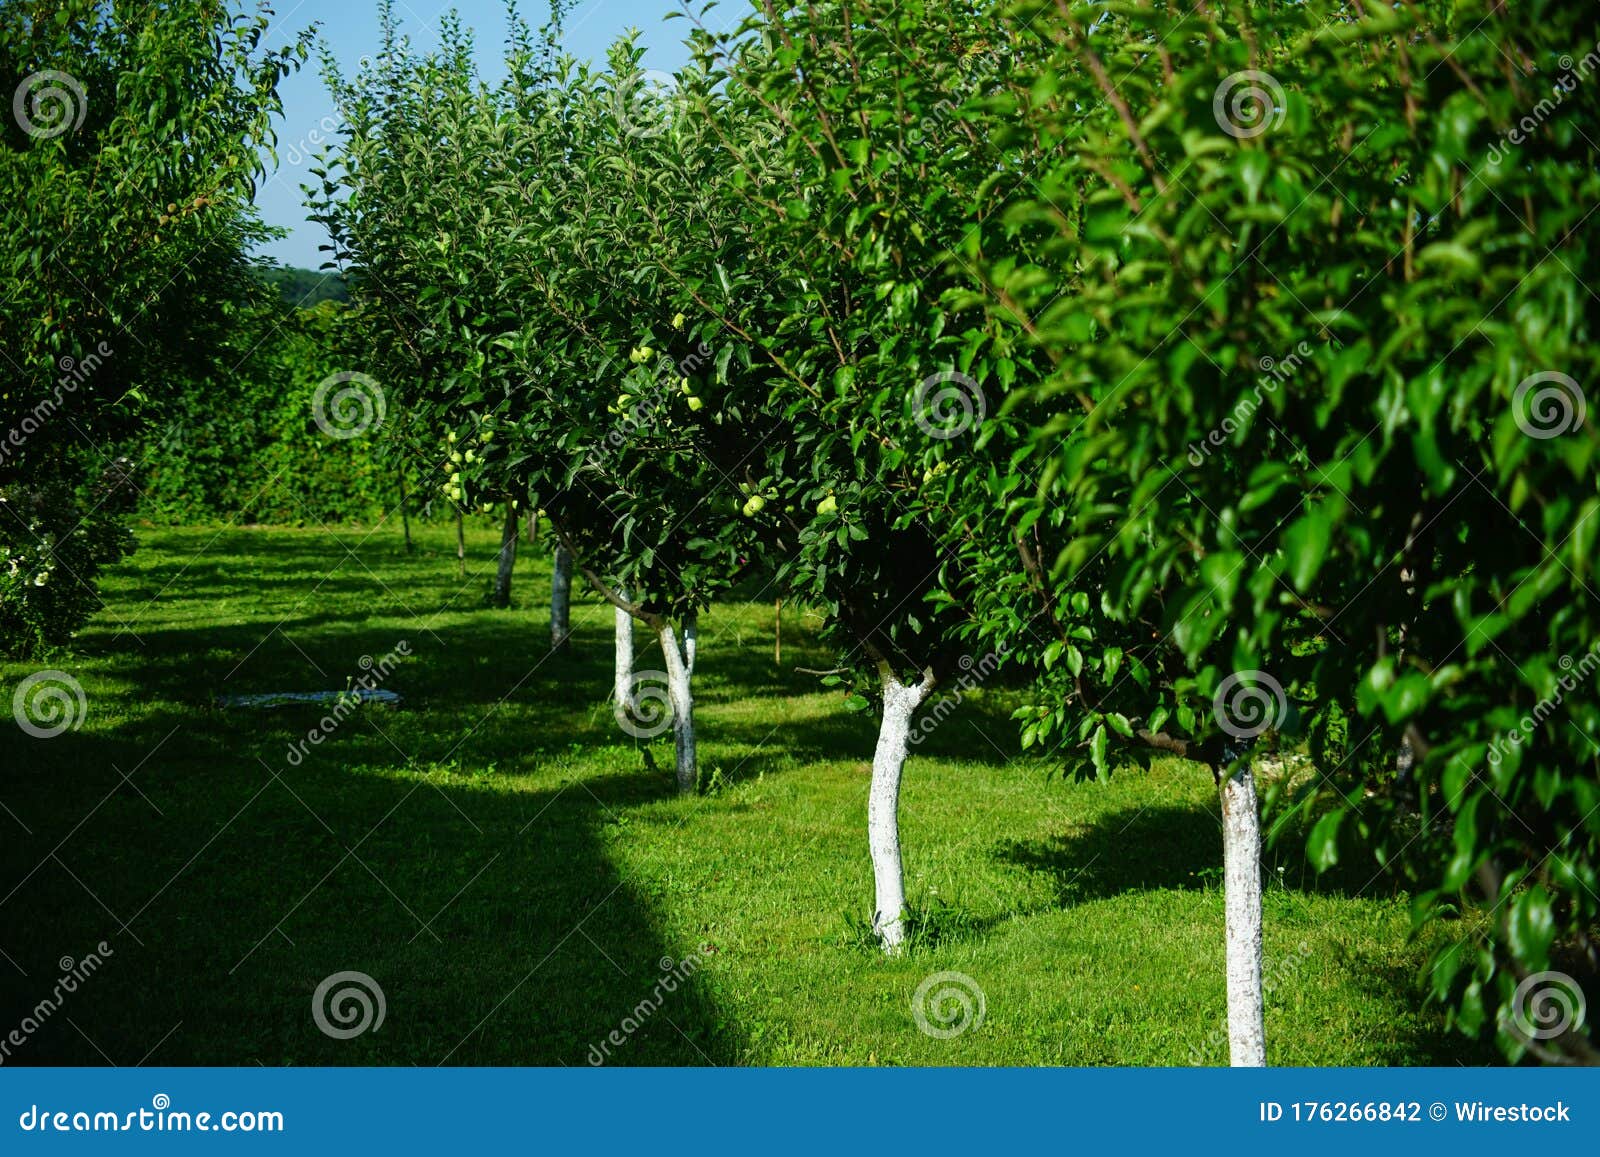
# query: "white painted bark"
561 599
622 677
680 673
506 561
1241 873
900 703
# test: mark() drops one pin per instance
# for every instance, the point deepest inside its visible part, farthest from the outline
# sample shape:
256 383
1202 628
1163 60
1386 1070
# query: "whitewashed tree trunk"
506 562
680 673
1241 873
461 544
561 599
900 703
622 677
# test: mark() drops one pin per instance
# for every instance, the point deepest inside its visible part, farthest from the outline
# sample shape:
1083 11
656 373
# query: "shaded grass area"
525 888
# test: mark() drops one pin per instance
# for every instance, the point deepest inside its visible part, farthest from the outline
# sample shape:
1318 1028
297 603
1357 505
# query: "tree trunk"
501 597
461 544
533 526
680 672
777 634
1241 862
900 703
622 681
561 599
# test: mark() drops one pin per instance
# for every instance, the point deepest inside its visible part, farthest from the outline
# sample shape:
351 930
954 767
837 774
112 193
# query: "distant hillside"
305 287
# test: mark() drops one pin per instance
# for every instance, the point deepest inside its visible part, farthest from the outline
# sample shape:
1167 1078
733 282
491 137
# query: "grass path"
502 862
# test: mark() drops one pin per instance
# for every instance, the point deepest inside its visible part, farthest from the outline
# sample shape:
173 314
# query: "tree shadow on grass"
1165 847
228 892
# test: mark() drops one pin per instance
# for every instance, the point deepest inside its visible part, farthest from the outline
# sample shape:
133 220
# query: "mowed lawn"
515 875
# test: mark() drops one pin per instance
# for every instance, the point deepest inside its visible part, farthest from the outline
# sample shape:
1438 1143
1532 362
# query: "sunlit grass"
515 876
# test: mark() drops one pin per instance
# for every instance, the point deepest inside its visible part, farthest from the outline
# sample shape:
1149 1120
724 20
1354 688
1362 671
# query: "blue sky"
350 28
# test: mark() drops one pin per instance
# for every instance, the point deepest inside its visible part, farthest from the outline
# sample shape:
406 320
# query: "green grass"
511 872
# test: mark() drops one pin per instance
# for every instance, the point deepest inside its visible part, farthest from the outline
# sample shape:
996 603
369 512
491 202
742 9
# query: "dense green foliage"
304 288
241 443
1222 369
127 165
